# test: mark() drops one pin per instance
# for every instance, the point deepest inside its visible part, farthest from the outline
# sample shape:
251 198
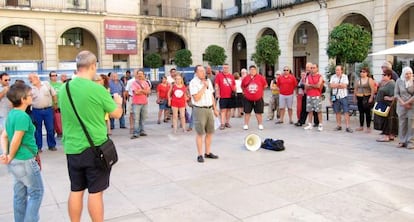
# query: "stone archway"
239 53
164 43
269 70
24 49
305 46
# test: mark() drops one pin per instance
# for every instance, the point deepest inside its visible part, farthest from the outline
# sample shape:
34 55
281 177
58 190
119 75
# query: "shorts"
340 104
85 173
226 103
203 119
313 104
163 105
257 106
285 101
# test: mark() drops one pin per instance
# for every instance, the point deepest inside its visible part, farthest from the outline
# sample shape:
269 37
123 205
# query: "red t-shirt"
313 80
253 87
178 98
287 84
226 84
163 91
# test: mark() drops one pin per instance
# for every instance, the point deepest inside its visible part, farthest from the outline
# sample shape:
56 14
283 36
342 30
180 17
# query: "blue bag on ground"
271 144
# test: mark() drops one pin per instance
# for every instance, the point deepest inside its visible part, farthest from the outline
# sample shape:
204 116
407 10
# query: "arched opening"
404 33
24 49
164 43
239 53
71 42
305 47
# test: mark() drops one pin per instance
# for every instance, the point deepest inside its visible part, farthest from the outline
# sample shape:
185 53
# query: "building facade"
41 35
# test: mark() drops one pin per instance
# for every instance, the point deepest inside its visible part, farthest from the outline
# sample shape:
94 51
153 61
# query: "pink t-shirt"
140 99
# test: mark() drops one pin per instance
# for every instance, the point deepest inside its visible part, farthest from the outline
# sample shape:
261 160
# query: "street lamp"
239 46
19 42
77 43
304 38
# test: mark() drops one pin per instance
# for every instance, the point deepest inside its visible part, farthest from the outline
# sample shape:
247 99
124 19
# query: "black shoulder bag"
106 155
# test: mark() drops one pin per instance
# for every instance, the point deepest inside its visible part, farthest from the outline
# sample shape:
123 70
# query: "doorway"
299 64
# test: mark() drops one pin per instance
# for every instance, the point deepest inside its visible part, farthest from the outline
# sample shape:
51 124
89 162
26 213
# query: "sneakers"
308 127
134 137
52 148
349 130
320 127
245 127
200 159
261 127
211 156
338 128
227 125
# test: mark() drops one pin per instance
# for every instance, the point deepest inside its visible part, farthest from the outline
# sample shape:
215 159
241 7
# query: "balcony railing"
165 11
253 7
97 6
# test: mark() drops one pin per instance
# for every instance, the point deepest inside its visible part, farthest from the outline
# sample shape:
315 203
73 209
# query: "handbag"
106 155
57 119
381 109
233 93
365 102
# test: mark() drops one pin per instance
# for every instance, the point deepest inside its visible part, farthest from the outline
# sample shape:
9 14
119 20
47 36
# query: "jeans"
140 114
121 122
46 115
28 189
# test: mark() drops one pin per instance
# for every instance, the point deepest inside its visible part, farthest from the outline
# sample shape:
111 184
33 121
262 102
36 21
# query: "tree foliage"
215 55
349 43
183 58
153 60
267 50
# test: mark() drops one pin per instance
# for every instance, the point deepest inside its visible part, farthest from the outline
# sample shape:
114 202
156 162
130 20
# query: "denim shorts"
84 172
340 104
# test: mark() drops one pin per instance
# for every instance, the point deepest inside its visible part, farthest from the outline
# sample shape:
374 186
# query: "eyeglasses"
286 70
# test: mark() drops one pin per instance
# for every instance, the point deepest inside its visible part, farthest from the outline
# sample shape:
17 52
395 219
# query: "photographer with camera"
339 92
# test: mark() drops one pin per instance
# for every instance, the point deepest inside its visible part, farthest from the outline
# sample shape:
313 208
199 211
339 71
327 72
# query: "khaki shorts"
203 120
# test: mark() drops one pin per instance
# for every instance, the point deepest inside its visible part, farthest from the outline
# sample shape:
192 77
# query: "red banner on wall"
120 37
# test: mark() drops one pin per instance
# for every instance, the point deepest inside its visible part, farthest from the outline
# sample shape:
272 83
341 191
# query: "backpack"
271 144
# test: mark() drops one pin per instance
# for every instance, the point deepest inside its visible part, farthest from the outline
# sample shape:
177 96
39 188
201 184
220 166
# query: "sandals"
279 122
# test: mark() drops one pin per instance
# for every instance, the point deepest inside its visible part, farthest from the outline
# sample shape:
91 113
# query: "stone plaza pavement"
321 176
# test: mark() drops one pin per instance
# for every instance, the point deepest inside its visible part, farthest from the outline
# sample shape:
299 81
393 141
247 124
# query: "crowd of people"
207 98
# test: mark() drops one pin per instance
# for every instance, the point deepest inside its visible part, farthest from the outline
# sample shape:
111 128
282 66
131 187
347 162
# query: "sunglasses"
286 70
53 76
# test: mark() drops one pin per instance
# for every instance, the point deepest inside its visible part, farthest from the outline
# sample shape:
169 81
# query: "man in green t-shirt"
91 101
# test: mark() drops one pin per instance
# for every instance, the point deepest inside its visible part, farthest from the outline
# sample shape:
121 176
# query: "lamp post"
19 42
239 46
77 43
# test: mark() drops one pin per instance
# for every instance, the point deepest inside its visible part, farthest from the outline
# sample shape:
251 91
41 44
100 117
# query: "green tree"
153 60
215 55
349 44
183 58
267 50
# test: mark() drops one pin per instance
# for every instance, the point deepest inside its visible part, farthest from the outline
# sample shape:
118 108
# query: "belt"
204 107
43 108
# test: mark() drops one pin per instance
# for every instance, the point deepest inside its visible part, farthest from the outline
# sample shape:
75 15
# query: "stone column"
323 40
381 37
50 56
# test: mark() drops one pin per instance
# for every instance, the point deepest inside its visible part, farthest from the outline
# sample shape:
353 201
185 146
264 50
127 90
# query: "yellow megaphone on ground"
252 142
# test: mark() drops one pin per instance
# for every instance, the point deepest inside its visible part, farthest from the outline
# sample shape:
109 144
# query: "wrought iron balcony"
165 11
95 6
253 7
